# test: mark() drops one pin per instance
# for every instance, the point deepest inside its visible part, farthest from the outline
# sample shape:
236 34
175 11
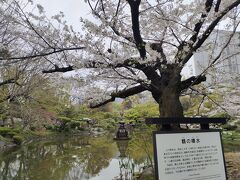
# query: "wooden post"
204 126
165 122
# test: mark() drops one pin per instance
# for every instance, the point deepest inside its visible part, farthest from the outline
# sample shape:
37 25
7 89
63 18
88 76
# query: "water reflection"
73 158
126 164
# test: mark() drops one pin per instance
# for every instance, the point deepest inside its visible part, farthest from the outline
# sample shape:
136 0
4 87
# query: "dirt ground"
233 165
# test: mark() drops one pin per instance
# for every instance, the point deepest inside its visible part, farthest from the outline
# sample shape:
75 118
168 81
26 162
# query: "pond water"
80 157
77 158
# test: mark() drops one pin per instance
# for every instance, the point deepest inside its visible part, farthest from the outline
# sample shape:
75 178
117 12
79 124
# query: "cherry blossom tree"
142 45
30 40
134 46
27 35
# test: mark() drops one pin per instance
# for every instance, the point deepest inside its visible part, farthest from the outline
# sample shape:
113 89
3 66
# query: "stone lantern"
122 133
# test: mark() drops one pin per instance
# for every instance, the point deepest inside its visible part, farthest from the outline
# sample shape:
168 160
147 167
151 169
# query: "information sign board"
189 155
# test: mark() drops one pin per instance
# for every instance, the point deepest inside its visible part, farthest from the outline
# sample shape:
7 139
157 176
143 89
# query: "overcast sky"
73 9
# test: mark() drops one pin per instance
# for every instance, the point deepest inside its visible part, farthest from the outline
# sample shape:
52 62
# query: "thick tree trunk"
169 103
170 106
167 96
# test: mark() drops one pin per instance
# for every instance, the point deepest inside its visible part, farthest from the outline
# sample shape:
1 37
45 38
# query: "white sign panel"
189 155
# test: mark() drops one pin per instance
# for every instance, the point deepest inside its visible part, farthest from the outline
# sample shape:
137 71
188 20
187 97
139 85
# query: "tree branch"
111 25
58 69
128 63
9 81
217 5
133 63
208 31
42 54
32 27
211 27
134 5
120 94
211 99
158 47
147 70
208 6
12 97
194 80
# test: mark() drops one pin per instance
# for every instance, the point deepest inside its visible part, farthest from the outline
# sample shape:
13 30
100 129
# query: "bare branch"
200 104
103 9
223 48
211 99
119 1
194 80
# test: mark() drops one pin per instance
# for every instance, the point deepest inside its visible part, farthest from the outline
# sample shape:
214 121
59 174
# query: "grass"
231 141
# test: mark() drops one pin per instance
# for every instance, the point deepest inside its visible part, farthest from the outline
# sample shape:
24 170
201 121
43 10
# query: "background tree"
27 42
33 37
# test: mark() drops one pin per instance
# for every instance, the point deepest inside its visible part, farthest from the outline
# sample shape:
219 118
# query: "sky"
73 9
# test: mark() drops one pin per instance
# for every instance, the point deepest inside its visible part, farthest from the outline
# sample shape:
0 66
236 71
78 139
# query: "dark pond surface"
77 158
81 157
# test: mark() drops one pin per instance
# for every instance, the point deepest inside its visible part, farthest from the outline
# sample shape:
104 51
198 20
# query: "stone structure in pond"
122 133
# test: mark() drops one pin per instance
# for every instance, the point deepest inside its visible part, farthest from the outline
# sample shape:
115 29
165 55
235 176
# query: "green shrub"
17 130
221 115
33 128
238 123
74 124
208 105
5 130
11 133
17 139
186 102
237 130
81 129
64 119
49 127
229 127
67 128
